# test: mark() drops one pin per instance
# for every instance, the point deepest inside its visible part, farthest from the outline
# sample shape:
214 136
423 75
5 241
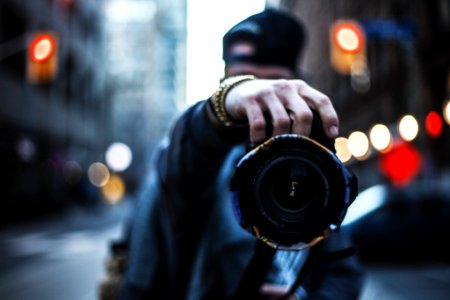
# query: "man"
185 242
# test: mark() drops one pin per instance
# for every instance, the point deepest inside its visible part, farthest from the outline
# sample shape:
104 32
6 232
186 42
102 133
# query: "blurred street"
61 257
58 257
429 280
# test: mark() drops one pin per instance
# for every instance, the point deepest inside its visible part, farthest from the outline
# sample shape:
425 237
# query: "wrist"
233 134
217 101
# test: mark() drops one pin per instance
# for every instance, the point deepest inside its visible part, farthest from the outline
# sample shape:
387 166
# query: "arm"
199 142
187 168
189 165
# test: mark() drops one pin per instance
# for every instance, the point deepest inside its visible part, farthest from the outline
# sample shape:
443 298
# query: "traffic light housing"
347 46
42 57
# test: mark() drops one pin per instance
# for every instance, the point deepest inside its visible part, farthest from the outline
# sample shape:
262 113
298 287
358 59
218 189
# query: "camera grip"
317 131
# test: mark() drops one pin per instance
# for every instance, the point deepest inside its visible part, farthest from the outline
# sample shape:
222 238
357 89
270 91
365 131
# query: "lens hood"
291 191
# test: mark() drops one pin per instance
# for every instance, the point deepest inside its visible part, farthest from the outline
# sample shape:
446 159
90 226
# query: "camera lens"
290 189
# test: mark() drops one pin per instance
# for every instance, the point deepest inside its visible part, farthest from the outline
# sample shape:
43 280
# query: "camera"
292 190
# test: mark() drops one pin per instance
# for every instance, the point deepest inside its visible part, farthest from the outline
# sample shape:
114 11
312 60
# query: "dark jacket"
185 241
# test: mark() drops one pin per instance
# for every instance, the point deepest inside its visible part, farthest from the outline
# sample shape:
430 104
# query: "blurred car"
401 224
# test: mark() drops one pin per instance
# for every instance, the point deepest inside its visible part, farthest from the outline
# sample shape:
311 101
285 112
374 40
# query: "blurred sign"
389 29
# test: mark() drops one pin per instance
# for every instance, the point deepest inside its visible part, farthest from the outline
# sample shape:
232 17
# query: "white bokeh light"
118 157
358 144
98 174
446 112
408 128
380 137
342 151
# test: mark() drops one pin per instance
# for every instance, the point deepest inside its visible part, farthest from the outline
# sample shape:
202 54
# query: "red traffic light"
349 37
42 58
347 46
42 48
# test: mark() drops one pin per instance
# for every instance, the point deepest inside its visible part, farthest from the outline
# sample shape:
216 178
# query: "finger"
301 116
298 110
256 122
322 104
281 121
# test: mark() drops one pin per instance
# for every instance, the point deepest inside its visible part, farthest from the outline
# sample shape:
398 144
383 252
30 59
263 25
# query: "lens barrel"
291 189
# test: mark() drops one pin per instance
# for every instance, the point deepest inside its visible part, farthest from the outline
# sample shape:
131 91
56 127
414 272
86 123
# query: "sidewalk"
60 256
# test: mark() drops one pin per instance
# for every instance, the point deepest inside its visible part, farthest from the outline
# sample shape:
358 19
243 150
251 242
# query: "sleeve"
192 160
175 204
148 259
189 167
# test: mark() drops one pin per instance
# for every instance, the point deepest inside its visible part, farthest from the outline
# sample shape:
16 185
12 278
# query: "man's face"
259 71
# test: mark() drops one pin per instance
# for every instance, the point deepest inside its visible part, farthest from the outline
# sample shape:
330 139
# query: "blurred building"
54 126
146 65
405 70
44 125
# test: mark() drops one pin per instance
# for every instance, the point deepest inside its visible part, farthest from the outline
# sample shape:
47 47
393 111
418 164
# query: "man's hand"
287 103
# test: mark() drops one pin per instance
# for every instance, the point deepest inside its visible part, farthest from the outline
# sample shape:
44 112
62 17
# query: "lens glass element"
290 189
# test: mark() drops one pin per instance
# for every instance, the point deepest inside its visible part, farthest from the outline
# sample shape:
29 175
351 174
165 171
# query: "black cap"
277 37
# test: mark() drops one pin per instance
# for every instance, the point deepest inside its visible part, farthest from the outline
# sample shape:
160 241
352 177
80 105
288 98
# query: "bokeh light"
98 174
26 149
42 48
360 77
349 37
446 112
380 137
358 144
114 190
342 151
401 164
408 128
433 124
118 157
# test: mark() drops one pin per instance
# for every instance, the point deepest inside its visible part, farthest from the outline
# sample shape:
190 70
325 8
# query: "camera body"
292 190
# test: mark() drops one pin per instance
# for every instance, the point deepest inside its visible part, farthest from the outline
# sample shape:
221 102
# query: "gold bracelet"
218 99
